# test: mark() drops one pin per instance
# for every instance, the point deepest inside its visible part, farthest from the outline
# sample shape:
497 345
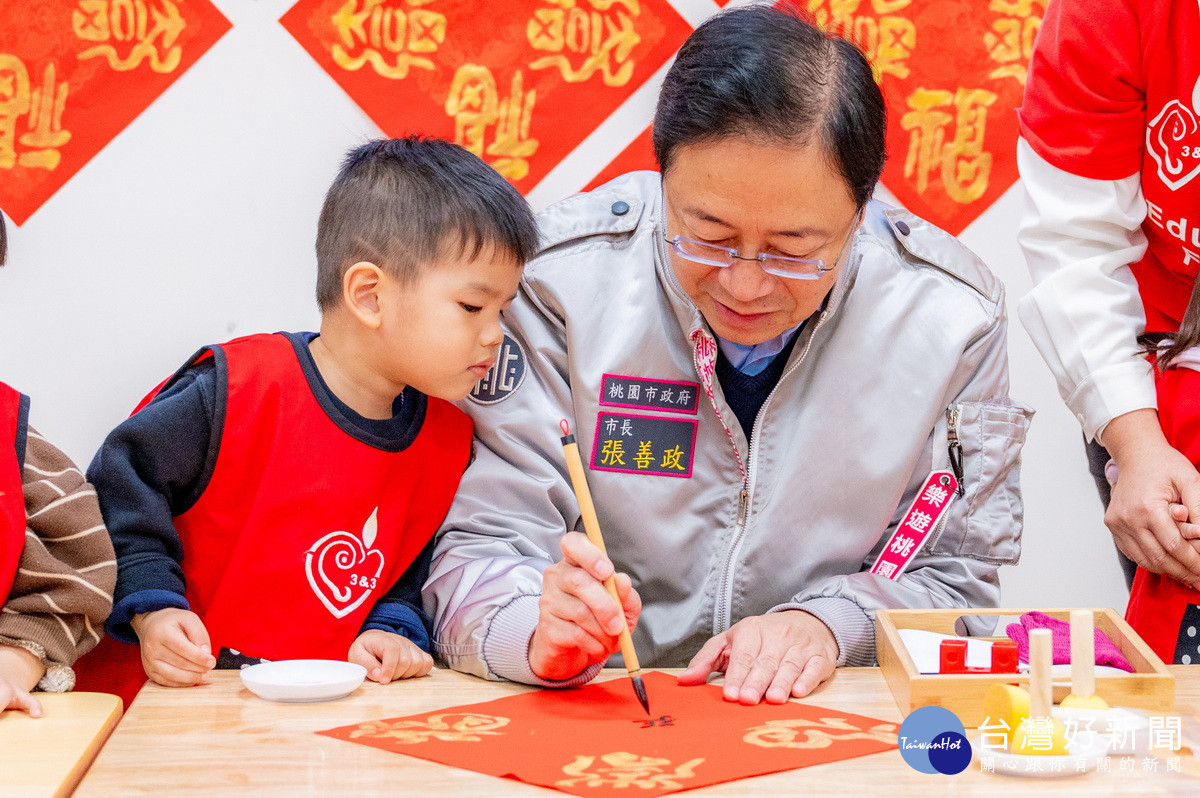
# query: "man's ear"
361 286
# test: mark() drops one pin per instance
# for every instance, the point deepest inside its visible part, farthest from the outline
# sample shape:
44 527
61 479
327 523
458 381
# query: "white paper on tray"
924 648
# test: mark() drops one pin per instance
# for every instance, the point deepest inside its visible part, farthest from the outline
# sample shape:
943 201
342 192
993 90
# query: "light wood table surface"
220 739
47 756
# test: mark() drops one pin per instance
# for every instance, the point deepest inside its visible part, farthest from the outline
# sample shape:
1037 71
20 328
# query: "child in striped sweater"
57 569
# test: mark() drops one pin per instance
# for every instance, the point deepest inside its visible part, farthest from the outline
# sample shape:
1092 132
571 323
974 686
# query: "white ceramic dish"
300 681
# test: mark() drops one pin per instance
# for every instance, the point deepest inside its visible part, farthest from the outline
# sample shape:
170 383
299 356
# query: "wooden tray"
1150 686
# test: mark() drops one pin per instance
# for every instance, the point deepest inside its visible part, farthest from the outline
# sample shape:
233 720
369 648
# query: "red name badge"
933 500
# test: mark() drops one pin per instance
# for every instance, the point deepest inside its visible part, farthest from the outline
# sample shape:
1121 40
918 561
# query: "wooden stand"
1150 686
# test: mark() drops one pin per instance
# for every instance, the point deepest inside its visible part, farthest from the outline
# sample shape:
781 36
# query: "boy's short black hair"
402 203
769 74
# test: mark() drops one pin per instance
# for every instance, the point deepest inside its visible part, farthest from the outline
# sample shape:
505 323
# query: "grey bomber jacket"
713 528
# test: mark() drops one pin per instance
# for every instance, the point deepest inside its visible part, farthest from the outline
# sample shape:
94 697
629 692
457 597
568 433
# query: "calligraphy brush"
591 525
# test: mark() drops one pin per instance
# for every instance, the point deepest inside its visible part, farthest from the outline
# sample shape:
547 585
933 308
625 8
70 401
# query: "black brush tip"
639 687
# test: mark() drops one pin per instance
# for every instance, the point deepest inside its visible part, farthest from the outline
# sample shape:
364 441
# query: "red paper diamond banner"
952 74
519 83
74 73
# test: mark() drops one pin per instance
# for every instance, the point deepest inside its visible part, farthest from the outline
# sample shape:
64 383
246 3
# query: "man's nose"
745 280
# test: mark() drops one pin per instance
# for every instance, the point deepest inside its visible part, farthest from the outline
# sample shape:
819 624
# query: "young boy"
275 498
56 562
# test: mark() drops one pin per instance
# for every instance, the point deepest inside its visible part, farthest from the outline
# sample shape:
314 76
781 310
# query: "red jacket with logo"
1107 105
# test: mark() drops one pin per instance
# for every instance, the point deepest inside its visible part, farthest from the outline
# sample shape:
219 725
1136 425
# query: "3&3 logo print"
1173 141
343 569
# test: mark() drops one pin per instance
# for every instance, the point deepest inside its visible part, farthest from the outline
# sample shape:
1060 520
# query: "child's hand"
19 672
388 656
175 647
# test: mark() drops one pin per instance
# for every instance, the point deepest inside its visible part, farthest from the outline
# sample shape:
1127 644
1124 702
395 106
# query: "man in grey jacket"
763 367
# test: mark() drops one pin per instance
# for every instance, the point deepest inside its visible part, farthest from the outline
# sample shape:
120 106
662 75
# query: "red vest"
14 410
302 527
1156 602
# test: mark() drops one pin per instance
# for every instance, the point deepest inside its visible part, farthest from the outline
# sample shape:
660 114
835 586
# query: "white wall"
197 222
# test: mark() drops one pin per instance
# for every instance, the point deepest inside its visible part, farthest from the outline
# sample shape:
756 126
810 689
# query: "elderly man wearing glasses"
792 401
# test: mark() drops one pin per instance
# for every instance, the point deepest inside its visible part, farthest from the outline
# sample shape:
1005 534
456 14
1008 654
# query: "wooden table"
220 739
48 755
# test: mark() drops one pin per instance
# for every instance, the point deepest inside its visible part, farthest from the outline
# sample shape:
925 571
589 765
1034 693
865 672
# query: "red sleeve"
1084 109
1179 410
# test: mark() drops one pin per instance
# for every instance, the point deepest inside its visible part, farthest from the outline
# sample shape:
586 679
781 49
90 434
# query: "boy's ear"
361 286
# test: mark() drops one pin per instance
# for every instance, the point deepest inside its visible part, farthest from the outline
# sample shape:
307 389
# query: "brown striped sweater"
64 583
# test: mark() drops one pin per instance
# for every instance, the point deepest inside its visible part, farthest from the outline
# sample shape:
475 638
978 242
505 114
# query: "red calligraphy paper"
597 740
75 73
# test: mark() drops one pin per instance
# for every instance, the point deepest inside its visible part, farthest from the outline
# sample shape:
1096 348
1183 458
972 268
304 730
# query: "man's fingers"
580 551
631 602
572 610
784 681
709 659
743 655
815 671
578 583
775 669
566 636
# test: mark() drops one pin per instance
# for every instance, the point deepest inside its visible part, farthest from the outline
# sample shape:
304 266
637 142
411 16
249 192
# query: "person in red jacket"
277 496
1109 156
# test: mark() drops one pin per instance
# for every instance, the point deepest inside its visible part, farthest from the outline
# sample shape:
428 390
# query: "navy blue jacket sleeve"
152 467
399 610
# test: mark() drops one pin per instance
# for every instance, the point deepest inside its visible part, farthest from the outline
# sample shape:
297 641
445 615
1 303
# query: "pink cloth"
1107 652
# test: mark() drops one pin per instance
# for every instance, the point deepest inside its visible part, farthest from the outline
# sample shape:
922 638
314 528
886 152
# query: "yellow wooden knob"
1084 702
1008 703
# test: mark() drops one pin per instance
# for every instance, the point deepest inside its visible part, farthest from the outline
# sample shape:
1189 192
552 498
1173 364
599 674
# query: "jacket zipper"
954 448
724 602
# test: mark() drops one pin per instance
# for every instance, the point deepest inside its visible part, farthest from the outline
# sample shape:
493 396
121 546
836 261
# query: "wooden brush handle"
591 525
